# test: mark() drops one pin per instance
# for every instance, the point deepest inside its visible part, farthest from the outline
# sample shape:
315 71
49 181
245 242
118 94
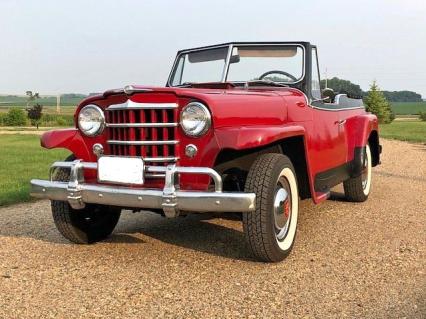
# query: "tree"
31 97
378 105
402 96
34 114
343 86
352 89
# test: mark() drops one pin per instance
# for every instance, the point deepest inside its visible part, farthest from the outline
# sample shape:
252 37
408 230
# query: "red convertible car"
239 127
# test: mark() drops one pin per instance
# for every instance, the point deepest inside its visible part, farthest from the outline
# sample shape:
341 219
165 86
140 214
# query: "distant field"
68 104
11 100
22 158
411 131
405 108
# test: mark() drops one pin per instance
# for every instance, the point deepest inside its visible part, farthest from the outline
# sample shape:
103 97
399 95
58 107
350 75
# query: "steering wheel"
264 75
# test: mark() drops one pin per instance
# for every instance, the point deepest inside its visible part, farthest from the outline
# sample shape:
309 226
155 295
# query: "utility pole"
58 103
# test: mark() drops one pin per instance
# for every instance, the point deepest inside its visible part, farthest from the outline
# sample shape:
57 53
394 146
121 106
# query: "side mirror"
235 56
234 59
328 95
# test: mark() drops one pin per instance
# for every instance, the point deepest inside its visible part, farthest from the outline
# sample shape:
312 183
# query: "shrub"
15 117
61 121
422 116
2 117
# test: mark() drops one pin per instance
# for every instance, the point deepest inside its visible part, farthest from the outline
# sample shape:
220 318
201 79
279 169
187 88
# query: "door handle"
340 123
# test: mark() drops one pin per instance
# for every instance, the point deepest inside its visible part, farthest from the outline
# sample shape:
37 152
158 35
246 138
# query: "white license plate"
123 170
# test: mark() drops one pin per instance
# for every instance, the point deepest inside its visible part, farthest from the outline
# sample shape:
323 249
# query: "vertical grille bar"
124 131
165 133
154 135
117 132
132 136
143 132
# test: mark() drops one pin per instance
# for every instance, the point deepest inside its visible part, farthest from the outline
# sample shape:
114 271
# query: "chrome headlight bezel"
198 129
99 125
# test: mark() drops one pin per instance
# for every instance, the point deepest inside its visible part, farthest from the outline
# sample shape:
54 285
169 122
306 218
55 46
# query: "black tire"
358 188
84 226
268 175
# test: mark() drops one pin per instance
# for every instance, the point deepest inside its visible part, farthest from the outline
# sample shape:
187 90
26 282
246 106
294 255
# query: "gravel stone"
350 260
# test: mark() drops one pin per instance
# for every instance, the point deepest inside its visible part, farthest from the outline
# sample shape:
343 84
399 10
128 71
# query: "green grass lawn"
404 108
411 131
21 159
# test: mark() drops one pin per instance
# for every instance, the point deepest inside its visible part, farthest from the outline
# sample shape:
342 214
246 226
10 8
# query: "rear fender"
358 130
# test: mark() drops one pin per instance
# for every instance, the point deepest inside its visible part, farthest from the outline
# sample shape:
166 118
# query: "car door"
328 125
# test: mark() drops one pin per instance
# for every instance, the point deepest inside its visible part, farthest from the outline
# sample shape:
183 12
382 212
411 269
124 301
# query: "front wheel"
271 229
83 226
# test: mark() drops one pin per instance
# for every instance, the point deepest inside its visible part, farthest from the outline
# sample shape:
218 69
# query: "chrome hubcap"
282 209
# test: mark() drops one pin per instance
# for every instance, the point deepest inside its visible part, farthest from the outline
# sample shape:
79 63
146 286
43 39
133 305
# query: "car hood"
229 107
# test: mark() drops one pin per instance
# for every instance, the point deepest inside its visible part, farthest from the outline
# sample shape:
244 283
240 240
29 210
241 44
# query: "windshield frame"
228 57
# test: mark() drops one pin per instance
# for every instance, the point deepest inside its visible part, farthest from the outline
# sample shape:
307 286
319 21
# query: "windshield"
277 63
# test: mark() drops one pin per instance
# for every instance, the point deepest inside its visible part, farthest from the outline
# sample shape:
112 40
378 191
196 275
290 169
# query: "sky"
84 46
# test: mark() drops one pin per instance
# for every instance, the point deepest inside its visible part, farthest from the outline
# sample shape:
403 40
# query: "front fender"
240 138
69 139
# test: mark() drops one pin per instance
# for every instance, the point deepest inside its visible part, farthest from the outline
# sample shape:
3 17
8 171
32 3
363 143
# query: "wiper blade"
264 82
185 85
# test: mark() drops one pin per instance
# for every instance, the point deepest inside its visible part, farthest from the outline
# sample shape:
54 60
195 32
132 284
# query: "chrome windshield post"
226 66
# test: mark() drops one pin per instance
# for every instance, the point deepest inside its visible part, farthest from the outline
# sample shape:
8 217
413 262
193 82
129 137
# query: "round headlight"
195 119
91 120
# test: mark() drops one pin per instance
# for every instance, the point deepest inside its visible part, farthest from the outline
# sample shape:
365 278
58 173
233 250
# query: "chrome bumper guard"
170 198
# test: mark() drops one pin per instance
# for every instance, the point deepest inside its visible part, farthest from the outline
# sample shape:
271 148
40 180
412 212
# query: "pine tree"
377 104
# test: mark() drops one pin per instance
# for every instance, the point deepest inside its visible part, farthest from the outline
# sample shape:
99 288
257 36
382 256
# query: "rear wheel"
271 229
83 226
358 188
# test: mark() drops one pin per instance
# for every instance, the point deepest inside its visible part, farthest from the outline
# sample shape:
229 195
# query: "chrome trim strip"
131 89
154 175
160 159
327 109
131 105
169 142
156 169
141 124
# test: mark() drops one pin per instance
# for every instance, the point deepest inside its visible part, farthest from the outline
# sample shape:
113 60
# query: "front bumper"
170 199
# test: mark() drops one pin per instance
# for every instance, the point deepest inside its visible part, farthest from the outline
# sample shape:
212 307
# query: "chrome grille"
143 129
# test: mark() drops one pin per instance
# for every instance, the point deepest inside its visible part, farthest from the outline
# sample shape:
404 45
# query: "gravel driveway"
350 260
